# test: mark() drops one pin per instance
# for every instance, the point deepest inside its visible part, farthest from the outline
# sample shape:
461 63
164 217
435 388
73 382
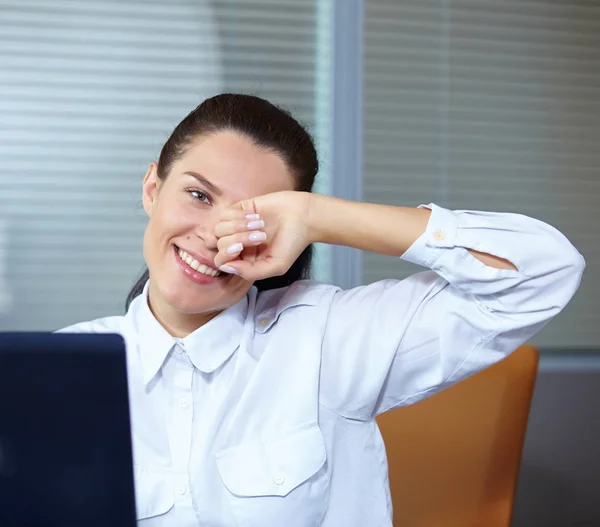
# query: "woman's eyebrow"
210 186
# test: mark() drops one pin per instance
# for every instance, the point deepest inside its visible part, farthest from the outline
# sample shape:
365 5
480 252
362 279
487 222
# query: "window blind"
492 106
89 91
4 294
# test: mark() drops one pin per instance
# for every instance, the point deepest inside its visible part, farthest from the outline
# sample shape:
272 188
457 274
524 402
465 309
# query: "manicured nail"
251 217
255 225
258 236
228 269
235 248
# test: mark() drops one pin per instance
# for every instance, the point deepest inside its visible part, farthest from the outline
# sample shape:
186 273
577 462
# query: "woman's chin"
189 301
191 304
189 298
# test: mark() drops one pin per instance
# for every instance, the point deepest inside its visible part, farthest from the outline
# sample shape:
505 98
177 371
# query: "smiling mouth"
196 265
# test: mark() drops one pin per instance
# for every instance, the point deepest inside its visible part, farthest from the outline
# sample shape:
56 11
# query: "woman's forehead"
235 164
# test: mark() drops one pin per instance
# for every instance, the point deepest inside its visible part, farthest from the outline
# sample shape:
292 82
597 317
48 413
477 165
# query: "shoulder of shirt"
113 324
300 293
303 292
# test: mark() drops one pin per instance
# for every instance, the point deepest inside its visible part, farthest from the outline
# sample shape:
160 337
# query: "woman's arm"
293 220
395 342
380 229
496 279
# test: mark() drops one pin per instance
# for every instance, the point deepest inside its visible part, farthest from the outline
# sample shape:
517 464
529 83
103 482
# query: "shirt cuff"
439 236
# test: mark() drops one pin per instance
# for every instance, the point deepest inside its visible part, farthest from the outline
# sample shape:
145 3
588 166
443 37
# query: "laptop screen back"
65 441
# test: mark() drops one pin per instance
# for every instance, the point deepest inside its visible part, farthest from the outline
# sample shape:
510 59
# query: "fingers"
236 213
234 243
240 229
229 227
258 270
231 246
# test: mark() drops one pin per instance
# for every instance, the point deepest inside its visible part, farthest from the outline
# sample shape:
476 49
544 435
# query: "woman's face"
217 171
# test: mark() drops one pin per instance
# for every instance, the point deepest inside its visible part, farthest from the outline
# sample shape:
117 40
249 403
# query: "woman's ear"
150 188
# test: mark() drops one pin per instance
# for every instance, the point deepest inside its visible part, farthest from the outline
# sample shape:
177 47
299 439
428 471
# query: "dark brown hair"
267 126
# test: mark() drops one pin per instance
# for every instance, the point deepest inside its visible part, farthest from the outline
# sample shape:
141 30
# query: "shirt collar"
212 344
208 347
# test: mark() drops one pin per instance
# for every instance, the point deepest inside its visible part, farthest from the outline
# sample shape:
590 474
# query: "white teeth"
196 265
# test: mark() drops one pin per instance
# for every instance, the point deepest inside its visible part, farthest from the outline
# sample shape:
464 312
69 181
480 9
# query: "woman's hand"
263 236
294 220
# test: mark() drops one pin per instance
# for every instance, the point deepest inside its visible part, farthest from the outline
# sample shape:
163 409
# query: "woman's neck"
176 323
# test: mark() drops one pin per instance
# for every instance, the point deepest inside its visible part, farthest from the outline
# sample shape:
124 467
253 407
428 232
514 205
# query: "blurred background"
470 104
89 92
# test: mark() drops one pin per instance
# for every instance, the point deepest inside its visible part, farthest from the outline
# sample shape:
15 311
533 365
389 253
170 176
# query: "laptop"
65 439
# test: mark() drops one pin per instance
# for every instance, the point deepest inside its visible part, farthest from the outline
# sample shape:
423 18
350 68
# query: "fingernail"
251 217
228 269
253 225
235 248
257 236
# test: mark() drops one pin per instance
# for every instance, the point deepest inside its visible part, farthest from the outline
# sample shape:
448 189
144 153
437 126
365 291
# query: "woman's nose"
206 232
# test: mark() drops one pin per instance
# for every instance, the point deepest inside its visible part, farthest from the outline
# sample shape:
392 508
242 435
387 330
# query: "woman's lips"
202 275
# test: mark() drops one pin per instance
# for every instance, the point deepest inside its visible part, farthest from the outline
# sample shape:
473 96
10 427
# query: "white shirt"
264 417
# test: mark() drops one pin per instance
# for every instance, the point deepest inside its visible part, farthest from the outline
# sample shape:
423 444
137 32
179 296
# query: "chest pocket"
284 481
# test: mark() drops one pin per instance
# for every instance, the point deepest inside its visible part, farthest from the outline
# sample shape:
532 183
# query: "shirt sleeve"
393 342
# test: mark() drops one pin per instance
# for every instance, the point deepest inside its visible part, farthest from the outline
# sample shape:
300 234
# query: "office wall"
489 106
559 480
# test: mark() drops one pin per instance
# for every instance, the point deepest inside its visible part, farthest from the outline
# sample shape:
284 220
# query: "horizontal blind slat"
466 104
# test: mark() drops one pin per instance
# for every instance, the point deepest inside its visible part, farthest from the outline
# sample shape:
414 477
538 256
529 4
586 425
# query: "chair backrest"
454 457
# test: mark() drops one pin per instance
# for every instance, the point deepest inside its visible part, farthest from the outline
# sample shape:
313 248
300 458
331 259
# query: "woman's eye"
200 196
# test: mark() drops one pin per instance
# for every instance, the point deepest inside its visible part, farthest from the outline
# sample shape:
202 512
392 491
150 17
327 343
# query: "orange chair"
454 457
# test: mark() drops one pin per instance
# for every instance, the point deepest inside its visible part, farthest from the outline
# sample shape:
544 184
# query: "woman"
253 392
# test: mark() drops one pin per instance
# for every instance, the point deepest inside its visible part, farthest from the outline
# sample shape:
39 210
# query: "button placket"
180 433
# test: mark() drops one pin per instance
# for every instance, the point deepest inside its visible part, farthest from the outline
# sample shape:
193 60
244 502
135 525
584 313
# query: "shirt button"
182 489
278 480
263 322
439 236
183 402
